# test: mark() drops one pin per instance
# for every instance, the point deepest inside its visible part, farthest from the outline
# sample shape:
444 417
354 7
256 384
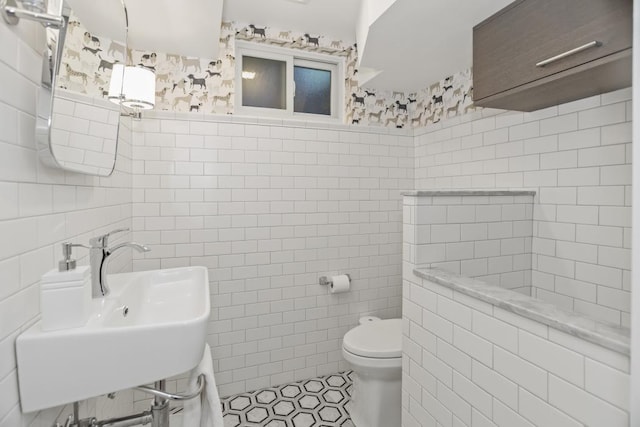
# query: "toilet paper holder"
324 280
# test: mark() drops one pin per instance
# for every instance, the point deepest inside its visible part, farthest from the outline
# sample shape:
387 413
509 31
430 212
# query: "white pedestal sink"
161 334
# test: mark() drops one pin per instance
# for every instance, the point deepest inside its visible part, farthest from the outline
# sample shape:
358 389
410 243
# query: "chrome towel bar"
178 397
12 14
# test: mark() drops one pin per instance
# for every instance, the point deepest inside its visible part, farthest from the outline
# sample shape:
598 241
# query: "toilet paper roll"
339 284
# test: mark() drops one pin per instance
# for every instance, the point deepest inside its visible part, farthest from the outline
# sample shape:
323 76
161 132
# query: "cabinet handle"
578 49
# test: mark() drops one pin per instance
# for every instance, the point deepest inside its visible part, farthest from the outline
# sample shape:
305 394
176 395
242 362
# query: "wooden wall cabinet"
586 45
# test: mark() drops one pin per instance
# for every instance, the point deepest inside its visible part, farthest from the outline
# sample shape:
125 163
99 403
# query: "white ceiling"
333 18
418 42
414 42
410 44
157 25
189 28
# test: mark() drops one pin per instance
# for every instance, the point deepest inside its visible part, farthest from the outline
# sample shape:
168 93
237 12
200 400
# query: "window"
312 84
276 81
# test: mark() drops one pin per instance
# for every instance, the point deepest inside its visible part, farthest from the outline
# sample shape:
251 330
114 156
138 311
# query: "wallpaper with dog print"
87 60
208 85
447 98
186 84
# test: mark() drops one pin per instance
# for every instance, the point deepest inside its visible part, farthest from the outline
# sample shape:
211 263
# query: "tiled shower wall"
470 363
484 236
39 209
577 156
269 208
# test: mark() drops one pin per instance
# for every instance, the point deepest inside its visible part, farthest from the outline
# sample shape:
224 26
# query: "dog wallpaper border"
186 84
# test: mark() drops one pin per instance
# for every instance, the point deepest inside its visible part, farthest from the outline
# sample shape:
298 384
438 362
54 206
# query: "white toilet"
374 350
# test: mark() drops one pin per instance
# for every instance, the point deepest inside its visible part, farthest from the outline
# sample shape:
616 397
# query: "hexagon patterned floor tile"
318 402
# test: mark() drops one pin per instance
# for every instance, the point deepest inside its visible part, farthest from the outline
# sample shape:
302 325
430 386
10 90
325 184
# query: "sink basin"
152 326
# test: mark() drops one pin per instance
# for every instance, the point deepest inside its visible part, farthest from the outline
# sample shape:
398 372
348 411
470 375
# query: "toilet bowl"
374 351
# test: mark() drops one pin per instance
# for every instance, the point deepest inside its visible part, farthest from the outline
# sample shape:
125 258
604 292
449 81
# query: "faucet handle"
102 241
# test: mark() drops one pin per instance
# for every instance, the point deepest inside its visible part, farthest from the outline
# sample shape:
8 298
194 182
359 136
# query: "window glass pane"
264 83
313 91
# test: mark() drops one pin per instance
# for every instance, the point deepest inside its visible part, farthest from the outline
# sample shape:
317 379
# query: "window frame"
293 58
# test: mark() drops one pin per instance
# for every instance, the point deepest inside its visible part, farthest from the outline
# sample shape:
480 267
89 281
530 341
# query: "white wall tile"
598 274
578 214
616 134
559 160
454 312
421 416
521 372
423 378
524 131
456 404
558 196
473 345
607 383
578 177
601 116
505 417
8 200
580 139
599 235
609 155
494 330
584 406
458 360
616 175
553 358
496 385
560 124
472 393
540 413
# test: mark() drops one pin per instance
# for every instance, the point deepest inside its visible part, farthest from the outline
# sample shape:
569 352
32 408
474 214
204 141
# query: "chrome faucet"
99 256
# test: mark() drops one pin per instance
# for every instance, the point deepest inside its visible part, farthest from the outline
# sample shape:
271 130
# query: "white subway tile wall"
269 207
467 362
486 237
577 156
39 209
84 131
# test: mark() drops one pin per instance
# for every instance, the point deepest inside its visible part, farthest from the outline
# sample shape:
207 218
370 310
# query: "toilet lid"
381 339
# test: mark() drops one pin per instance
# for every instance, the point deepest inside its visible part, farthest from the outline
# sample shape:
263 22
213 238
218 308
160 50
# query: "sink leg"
160 407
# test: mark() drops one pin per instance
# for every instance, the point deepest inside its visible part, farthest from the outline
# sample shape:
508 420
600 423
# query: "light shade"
133 87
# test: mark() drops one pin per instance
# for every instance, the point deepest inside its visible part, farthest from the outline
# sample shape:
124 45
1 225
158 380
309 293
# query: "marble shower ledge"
433 193
606 335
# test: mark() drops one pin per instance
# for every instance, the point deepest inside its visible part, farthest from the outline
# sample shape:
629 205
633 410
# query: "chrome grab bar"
578 49
163 394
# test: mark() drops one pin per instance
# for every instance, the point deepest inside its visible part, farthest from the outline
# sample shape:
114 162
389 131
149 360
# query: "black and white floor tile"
319 402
